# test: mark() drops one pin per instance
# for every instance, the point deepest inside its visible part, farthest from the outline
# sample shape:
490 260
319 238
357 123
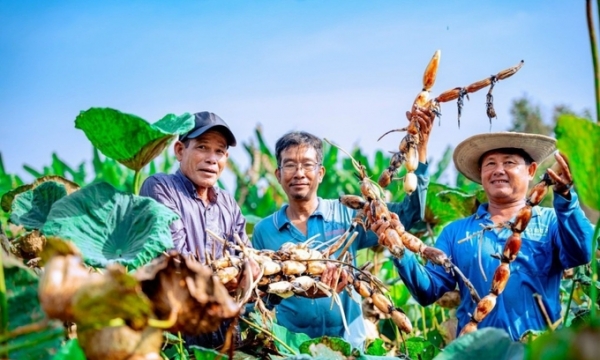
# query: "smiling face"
294 174
203 160
505 177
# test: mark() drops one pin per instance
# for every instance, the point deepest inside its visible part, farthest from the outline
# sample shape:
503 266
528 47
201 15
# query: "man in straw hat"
555 239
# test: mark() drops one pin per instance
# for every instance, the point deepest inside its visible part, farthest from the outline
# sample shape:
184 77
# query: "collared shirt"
221 214
316 317
555 239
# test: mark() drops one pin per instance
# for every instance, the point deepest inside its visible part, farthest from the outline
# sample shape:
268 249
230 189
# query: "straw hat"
467 153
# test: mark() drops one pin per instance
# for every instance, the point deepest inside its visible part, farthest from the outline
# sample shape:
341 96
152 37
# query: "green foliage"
24 305
575 342
527 118
376 348
574 138
108 225
31 207
70 351
291 339
129 139
419 348
486 343
335 344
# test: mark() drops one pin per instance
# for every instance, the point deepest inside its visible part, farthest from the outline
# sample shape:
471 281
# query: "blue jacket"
317 317
555 239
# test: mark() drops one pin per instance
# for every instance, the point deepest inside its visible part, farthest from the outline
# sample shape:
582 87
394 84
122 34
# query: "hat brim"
220 128
467 153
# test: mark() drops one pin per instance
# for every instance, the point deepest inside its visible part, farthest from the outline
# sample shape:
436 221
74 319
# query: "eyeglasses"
291 168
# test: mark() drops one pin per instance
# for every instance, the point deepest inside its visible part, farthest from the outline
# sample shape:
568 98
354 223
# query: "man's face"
204 159
506 177
299 172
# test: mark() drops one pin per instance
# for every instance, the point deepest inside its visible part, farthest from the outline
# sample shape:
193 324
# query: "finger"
424 125
328 274
556 178
566 172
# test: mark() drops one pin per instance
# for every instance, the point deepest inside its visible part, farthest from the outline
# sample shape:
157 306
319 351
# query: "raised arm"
572 232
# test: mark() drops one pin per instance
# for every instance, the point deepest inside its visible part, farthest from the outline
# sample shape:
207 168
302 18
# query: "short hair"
298 138
508 151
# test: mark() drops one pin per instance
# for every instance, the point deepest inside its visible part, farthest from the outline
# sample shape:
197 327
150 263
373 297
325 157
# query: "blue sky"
344 70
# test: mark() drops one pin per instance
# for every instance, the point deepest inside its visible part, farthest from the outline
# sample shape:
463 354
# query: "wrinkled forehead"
212 137
303 152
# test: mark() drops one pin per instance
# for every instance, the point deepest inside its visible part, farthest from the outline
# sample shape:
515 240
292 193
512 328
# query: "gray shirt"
222 215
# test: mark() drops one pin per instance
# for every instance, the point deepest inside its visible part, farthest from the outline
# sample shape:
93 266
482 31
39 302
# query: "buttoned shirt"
221 214
555 239
316 317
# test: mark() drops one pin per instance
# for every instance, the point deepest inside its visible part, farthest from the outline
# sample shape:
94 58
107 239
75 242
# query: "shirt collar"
281 218
482 211
191 188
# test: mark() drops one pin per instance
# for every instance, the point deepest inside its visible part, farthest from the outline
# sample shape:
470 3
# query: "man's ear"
532 169
321 173
178 148
278 174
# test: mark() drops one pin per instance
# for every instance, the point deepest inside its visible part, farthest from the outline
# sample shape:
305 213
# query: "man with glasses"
555 239
300 171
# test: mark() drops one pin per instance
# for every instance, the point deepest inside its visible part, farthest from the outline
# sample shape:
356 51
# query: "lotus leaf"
486 343
9 196
129 139
31 208
110 226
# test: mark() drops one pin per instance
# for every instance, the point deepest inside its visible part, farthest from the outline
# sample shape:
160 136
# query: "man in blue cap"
191 193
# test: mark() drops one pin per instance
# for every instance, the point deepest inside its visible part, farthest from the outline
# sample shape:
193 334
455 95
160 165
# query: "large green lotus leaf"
24 309
129 139
31 208
486 343
108 226
9 196
578 140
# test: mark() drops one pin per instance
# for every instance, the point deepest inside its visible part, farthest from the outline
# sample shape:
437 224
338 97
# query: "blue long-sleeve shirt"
555 239
316 317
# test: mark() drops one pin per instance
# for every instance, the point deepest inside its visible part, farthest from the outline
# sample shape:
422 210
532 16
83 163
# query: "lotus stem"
594 290
256 327
136 182
3 300
569 301
5 349
592 33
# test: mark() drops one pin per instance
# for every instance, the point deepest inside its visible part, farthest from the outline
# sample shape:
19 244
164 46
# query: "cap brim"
467 153
220 128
